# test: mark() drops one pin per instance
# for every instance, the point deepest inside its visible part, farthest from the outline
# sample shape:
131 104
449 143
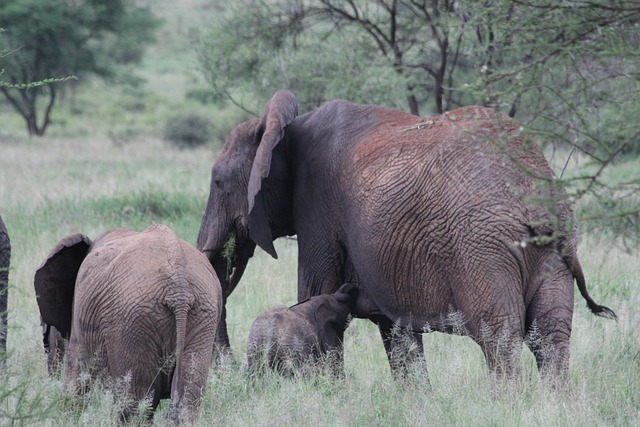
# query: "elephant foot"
223 356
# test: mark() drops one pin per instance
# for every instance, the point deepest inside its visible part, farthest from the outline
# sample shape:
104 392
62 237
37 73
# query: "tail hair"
601 310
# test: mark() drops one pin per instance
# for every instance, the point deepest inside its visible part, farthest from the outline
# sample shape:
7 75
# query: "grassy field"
54 187
103 165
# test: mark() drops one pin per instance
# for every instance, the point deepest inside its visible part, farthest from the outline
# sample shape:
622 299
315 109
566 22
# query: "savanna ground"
104 165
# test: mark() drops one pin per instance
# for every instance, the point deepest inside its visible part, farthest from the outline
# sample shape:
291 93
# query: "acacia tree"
414 42
46 41
420 39
255 47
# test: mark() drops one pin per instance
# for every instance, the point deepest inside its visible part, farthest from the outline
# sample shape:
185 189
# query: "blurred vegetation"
188 130
48 40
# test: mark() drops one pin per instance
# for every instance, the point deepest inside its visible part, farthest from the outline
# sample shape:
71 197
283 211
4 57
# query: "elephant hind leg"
548 325
83 365
189 382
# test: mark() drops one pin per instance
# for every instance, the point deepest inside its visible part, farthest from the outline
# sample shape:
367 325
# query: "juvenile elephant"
139 305
297 339
5 258
452 223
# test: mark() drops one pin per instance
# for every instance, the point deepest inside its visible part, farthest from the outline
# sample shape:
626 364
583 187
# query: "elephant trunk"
229 265
227 246
243 253
215 231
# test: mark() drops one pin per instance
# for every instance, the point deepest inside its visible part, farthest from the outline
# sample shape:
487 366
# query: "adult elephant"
143 306
5 258
452 223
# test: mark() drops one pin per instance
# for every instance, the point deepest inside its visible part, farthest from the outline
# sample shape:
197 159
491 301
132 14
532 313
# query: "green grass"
103 166
59 186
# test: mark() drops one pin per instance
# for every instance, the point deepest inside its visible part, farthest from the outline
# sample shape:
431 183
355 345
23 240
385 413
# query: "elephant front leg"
502 348
404 348
222 353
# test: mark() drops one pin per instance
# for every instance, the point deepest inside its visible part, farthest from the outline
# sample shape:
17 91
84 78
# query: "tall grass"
55 187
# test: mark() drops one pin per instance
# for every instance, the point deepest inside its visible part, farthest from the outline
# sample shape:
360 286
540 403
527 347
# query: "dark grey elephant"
303 337
140 305
5 260
450 223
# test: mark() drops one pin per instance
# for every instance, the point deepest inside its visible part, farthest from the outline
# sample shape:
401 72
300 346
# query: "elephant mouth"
230 261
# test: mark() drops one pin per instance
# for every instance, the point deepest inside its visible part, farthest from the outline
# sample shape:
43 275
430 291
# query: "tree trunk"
25 104
413 105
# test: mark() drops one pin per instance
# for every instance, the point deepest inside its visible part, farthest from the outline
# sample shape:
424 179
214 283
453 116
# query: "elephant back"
146 267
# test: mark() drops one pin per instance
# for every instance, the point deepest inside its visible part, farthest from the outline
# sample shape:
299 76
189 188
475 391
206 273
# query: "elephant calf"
298 338
141 306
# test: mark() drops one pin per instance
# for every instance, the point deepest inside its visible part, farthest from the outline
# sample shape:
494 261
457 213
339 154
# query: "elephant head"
330 314
236 207
54 284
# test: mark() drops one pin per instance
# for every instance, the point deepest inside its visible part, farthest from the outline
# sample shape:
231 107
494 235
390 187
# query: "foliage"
204 95
188 130
435 49
50 40
247 56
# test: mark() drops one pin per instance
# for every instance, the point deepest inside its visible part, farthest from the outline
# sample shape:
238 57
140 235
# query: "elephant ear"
55 281
330 330
278 113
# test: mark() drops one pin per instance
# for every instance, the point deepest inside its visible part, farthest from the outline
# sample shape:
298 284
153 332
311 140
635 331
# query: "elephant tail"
576 270
180 313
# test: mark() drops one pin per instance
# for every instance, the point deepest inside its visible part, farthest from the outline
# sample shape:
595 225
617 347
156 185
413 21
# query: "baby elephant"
143 307
298 339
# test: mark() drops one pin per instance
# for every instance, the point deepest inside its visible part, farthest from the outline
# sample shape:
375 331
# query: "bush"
205 95
188 130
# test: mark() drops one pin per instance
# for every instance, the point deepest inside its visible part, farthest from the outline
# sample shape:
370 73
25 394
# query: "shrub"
205 95
188 130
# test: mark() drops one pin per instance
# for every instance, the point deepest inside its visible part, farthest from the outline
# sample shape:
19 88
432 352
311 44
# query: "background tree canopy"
47 40
568 71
